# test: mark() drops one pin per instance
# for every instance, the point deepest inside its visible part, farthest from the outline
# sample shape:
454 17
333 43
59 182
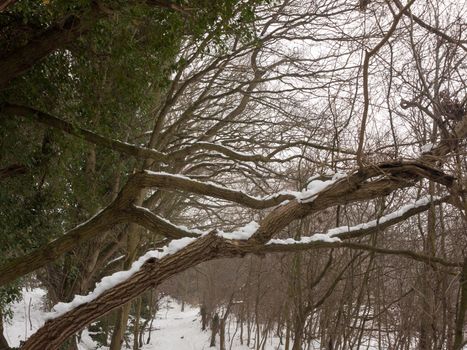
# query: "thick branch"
153 272
348 190
156 224
400 252
53 38
57 123
353 188
25 264
183 183
126 148
5 3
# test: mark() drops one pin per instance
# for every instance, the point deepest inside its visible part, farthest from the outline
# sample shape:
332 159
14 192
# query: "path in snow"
172 328
175 329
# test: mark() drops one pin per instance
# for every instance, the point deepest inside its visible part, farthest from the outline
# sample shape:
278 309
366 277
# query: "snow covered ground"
172 328
182 330
28 317
175 329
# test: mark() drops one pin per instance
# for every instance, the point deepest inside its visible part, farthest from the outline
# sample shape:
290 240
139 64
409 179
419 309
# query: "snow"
316 186
373 223
242 233
177 227
27 317
176 329
111 281
426 148
331 235
317 237
308 195
115 260
172 329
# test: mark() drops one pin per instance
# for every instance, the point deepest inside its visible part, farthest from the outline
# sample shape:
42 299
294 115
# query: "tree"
227 99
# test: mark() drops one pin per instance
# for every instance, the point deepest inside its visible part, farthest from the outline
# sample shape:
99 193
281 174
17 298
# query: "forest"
233 174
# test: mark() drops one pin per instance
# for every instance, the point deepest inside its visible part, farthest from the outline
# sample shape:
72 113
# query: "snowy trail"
172 328
175 329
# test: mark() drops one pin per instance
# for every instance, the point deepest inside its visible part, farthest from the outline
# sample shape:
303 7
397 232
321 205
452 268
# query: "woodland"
291 167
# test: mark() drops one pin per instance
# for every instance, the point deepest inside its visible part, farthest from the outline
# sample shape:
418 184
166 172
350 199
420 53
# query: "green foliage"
8 295
109 81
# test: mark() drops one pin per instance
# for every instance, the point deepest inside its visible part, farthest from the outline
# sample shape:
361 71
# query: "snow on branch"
242 233
111 281
386 220
155 223
184 183
316 186
346 232
239 243
317 237
224 150
173 247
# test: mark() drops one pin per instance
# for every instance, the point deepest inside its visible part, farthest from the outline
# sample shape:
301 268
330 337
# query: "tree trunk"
132 245
3 343
298 332
460 320
204 317
136 325
214 329
222 334
120 327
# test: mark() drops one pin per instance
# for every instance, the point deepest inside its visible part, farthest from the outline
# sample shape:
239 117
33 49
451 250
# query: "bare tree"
338 126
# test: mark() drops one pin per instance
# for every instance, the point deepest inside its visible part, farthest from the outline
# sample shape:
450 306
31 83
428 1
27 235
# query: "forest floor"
172 328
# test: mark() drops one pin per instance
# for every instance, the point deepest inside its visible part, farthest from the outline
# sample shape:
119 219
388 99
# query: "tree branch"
154 271
92 137
154 223
184 183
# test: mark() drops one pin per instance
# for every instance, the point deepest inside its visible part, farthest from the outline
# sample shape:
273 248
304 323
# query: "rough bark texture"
152 273
462 309
5 3
355 187
38 258
56 36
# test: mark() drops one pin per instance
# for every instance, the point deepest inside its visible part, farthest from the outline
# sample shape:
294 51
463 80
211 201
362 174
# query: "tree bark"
3 342
214 329
55 37
151 274
352 189
462 309
5 3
